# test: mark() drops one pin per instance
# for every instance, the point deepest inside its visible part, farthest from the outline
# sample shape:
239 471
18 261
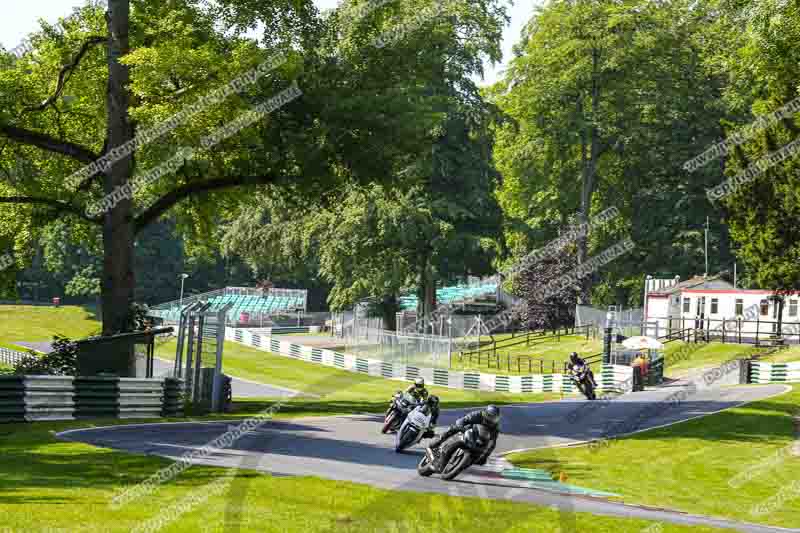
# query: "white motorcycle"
414 427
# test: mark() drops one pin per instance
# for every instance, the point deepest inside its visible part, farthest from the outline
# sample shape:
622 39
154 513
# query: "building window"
714 306
739 307
686 305
764 307
792 307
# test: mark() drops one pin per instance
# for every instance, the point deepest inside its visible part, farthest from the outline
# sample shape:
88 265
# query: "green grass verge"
552 352
50 485
344 390
35 323
688 466
681 357
787 355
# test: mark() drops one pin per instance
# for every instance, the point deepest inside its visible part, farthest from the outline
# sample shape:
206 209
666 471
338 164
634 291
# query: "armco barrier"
173 398
441 377
31 398
762 372
98 397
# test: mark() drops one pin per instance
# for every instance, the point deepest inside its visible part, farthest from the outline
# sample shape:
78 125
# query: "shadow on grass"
33 462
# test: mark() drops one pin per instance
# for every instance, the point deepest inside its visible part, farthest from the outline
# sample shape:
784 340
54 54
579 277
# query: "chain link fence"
409 349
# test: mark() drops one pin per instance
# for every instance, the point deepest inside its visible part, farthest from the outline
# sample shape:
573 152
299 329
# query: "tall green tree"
756 45
82 94
609 99
437 222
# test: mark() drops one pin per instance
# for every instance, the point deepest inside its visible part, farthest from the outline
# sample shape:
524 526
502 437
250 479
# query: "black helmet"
573 356
433 400
491 415
419 383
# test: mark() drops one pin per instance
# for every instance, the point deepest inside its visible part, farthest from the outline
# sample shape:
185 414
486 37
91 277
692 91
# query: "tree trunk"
430 291
389 308
589 167
421 318
118 232
426 296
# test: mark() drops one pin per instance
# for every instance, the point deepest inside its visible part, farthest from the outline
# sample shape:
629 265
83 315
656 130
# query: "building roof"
696 283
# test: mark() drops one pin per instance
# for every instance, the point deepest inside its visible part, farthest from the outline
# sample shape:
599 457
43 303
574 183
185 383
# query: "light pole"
183 278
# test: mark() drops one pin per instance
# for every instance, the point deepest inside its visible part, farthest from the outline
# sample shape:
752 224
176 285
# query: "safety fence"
762 372
412 349
36 398
489 351
475 381
617 378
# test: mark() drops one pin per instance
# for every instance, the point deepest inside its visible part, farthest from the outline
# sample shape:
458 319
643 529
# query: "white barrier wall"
616 377
441 377
774 372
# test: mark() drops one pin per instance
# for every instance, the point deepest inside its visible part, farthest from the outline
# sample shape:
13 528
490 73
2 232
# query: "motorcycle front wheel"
424 467
389 422
405 439
459 461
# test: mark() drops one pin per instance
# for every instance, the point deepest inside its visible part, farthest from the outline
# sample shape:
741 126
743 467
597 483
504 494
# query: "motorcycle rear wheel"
459 461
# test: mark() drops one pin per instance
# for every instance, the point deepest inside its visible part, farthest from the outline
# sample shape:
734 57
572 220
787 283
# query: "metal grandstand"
248 306
475 294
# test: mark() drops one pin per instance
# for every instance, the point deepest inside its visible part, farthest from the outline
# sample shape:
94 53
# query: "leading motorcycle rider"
489 417
575 361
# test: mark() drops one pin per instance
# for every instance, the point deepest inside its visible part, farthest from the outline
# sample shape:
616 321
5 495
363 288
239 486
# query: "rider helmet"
419 383
491 415
573 357
433 401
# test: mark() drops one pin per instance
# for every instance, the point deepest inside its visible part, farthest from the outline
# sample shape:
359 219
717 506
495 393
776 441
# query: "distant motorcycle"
460 452
580 375
414 427
401 405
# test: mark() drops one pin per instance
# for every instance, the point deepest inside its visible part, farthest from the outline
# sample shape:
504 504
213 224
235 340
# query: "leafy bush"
61 361
139 319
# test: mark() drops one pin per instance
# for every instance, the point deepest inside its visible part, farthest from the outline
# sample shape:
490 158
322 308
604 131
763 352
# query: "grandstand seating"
252 304
453 295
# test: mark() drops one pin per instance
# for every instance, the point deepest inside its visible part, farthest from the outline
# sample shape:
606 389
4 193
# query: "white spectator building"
714 304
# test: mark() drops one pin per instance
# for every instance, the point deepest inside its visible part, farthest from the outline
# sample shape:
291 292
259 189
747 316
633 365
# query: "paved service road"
241 388
351 448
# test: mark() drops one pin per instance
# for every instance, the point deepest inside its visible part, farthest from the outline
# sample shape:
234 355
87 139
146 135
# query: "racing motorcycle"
414 427
401 404
580 376
461 451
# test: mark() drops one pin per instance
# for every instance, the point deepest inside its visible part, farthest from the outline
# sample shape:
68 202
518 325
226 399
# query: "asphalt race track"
352 448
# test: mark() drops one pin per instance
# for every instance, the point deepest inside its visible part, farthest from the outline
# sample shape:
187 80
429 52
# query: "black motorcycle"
401 404
459 452
581 376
